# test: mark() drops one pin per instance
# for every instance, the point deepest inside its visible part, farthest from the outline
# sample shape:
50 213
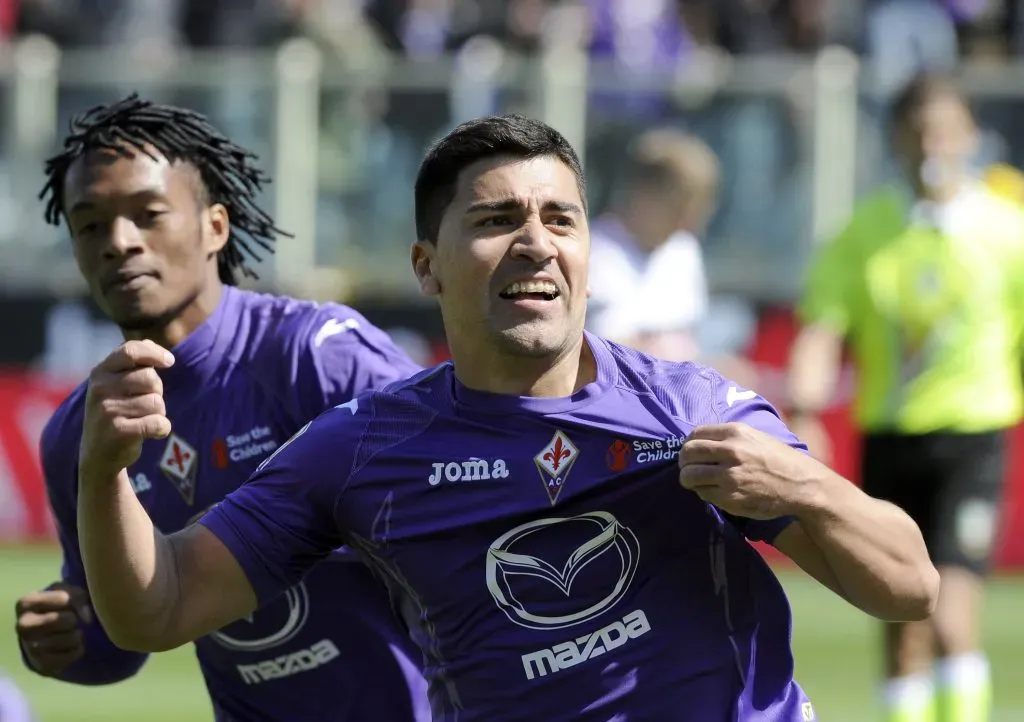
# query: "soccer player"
561 520
927 284
163 219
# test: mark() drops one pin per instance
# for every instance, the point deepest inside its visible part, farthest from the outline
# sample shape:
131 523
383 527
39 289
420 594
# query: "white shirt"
634 292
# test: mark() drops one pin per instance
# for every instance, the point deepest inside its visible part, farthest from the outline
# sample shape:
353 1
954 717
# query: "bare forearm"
874 550
814 368
129 564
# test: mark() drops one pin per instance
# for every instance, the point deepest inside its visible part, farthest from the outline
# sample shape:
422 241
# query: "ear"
423 264
216 228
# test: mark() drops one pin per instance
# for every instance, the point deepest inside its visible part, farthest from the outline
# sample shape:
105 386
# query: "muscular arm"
153 592
814 367
866 550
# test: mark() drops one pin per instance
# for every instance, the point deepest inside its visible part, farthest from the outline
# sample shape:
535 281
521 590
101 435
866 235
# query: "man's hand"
48 627
747 473
124 406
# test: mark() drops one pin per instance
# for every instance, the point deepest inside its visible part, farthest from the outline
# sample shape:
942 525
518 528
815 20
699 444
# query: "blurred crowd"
633 31
373 131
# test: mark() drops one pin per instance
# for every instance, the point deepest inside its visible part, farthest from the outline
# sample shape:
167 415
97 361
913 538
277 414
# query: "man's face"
142 237
511 260
937 140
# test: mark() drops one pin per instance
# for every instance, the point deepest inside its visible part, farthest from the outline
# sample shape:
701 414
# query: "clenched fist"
124 406
48 627
747 473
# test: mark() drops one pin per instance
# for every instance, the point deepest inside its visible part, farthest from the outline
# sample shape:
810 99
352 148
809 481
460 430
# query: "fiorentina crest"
554 463
179 465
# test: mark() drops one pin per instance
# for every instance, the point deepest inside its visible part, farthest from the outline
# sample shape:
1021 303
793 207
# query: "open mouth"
530 291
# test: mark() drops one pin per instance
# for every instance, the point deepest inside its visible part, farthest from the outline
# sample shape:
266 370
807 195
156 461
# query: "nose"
124 238
534 242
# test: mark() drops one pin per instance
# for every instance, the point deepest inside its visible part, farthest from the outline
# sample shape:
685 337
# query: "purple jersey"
542 551
242 383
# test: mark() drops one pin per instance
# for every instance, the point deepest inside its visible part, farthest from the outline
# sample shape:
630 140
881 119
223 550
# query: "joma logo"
470 470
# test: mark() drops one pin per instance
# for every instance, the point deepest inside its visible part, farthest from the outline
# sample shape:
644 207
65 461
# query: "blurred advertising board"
51 344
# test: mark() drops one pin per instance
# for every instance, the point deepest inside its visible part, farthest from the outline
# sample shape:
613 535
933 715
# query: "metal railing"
343 154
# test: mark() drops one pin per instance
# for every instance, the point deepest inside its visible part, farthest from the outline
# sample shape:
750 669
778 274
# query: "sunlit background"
340 98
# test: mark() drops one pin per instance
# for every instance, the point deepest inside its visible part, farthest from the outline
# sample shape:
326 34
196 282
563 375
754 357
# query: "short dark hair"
513 135
228 173
921 90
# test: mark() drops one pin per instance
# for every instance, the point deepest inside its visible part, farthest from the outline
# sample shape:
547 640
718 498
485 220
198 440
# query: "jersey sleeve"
281 521
827 296
103 663
733 403
339 355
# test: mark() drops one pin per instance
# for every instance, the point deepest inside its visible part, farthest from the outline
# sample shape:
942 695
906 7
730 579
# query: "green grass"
835 652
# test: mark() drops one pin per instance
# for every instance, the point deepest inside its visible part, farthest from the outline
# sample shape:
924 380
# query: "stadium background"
339 98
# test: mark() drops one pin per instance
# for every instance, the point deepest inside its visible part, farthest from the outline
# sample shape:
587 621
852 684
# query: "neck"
544 377
184 321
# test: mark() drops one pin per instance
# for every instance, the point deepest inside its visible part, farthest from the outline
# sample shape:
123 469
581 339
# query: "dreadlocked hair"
227 170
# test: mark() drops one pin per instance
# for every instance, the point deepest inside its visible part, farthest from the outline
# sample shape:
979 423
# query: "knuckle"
130 350
110 406
155 404
124 427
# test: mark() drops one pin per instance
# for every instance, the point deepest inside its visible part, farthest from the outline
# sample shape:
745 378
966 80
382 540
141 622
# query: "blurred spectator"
758 131
146 31
925 282
413 30
240 109
904 37
630 42
647 283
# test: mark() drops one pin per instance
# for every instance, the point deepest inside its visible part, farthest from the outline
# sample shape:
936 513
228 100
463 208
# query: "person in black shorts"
926 284
951 484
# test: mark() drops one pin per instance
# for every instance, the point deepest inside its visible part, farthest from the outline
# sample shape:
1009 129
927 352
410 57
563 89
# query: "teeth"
531 287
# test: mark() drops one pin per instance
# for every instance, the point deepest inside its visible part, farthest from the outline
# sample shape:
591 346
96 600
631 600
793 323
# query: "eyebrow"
512 205
148 194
